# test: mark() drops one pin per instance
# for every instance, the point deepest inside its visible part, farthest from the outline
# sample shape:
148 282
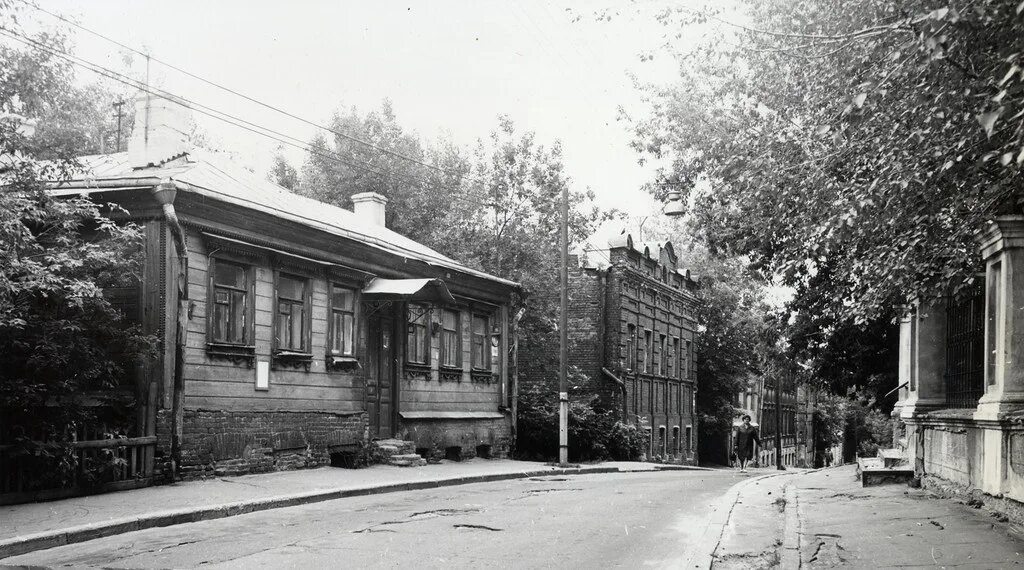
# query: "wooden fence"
133 468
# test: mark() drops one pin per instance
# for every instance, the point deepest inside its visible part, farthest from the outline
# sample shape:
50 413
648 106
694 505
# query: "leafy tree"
495 208
867 139
850 149
735 338
283 174
62 344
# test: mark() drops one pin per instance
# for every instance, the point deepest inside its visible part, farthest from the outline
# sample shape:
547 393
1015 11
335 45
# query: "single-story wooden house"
306 330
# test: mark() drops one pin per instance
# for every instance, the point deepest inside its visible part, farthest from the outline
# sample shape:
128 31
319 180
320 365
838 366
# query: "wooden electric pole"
117 105
563 330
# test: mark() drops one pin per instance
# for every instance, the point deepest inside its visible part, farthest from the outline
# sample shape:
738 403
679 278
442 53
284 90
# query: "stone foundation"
435 438
217 443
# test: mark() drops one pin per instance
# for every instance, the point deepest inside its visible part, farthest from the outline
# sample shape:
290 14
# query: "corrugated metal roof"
211 175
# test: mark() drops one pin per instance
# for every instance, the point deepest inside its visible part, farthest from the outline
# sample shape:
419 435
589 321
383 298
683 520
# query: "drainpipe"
515 370
164 193
622 386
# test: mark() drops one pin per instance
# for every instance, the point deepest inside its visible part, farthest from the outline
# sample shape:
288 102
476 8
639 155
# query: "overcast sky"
448 67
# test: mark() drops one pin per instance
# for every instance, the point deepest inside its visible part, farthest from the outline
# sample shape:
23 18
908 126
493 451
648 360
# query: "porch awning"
431 290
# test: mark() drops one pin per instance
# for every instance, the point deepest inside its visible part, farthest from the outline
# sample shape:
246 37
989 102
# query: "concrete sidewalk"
34 526
826 519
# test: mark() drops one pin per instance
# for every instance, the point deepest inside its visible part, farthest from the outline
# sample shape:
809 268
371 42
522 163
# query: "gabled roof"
215 177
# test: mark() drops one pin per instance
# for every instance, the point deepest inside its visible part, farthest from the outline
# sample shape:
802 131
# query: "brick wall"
539 352
435 436
216 442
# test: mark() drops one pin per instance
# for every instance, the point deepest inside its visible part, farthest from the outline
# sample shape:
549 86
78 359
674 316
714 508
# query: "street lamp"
674 206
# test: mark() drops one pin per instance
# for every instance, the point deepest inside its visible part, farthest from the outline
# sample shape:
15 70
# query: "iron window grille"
965 349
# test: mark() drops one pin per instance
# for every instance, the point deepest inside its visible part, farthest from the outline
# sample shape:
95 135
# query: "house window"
451 339
292 313
675 440
231 316
481 342
673 371
648 351
641 357
687 361
343 321
662 356
689 438
630 347
417 346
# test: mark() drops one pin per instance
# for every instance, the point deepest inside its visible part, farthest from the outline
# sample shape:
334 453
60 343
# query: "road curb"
704 554
51 539
790 554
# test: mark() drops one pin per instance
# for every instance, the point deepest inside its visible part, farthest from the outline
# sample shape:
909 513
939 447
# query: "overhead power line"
216 114
284 112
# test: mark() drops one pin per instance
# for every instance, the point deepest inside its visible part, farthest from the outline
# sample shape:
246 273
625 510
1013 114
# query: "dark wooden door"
380 385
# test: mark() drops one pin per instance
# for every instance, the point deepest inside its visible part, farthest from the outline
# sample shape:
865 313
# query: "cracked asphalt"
588 521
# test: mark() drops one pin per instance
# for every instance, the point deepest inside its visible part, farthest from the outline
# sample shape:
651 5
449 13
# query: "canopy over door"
430 290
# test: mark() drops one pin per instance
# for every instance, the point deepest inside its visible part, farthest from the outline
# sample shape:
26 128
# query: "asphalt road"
591 521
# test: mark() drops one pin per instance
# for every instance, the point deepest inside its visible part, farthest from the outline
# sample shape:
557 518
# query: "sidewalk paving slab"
846 525
831 521
34 526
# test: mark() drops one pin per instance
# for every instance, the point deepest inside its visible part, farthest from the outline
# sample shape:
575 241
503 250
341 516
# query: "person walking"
744 443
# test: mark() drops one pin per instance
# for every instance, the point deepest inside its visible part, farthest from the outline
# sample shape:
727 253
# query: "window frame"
630 347
249 306
423 320
248 311
332 332
444 333
673 361
662 356
485 342
306 325
648 350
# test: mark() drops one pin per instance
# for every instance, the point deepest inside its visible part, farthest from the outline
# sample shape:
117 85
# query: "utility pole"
117 105
563 330
778 424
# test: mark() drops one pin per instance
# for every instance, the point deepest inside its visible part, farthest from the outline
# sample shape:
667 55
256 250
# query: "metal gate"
965 348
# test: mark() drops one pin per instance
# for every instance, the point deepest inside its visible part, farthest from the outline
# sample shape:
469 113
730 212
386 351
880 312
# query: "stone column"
1002 248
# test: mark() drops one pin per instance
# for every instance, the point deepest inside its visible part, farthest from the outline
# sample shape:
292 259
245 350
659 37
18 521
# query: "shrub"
595 432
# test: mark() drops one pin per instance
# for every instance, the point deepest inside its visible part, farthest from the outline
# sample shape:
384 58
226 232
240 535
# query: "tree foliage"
62 343
494 207
734 340
867 139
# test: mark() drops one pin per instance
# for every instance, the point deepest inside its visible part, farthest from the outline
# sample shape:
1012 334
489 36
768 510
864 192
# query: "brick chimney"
160 133
369 206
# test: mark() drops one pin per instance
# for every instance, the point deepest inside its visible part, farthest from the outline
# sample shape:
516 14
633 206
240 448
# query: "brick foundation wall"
436 436
217 442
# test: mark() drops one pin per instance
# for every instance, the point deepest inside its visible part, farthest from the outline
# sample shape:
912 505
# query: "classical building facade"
961 407
631 335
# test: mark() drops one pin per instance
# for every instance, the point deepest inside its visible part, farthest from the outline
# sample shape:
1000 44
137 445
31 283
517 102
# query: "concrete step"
873 471
893 457
407 460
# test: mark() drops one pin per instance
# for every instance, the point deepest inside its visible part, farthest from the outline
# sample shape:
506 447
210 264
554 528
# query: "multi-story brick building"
631 333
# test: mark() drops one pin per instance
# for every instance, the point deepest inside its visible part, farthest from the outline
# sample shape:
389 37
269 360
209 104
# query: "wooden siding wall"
469 392
215 383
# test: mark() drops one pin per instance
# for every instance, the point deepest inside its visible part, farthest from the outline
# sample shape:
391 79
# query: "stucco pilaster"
923 358
1002 245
